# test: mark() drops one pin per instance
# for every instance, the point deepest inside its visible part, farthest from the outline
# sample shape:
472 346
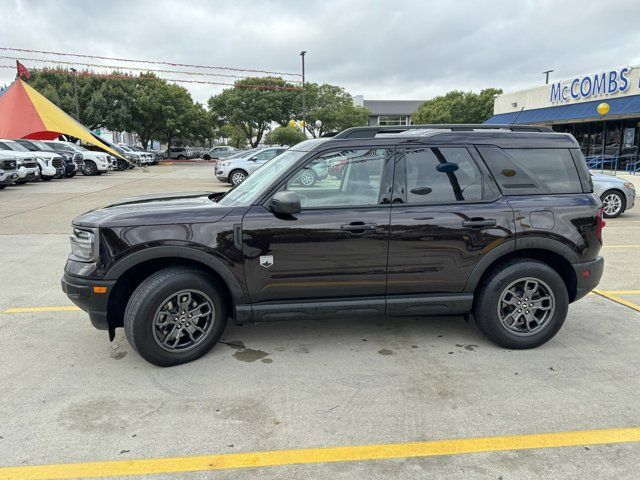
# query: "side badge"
266 261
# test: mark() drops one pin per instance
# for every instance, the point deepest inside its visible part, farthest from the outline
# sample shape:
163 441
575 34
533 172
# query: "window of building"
394 120
442 175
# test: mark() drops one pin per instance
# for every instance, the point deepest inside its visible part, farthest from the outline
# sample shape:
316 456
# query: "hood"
598 177
15 155
161 209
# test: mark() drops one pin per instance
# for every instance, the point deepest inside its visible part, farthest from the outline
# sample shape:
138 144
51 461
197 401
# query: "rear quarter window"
530 171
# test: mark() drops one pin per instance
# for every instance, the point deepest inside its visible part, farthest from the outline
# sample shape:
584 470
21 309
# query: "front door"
335 249
447 214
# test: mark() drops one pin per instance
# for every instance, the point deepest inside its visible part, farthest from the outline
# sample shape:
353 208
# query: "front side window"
346 178
266 155
442 175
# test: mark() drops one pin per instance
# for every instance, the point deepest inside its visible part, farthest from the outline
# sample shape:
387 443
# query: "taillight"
600 225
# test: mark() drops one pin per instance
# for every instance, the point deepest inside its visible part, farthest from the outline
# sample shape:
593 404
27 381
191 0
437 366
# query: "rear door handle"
479 223
359 227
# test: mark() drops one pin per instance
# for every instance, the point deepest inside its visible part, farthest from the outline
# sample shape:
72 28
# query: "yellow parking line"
66 308
622 292
617 299
150 466
631 245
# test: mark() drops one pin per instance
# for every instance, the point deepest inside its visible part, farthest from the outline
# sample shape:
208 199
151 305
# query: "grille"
8 164
29 163
57 162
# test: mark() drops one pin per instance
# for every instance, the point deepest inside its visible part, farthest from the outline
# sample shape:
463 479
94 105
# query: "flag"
22 70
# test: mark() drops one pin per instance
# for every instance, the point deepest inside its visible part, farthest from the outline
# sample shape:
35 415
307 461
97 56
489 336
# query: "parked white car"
51 165
95 163
236 169
8 171
617 195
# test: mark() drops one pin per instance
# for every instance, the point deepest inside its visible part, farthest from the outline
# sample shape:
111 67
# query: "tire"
145 305
71 175
492 303
180 157
90 168
307 178
20 182
46 179
236 177
613 203
206 157
2 187
122 165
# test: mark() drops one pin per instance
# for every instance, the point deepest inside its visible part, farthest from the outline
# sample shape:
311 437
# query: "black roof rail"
371 132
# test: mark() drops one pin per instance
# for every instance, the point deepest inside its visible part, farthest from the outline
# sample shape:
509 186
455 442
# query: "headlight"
224 164
629 185
18 163
84 244
43 160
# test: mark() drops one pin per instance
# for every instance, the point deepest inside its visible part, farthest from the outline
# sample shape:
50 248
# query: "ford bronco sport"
499 224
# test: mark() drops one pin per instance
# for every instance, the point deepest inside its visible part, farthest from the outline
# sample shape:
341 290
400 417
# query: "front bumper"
588 276
81 291
7 178
28 174
631 198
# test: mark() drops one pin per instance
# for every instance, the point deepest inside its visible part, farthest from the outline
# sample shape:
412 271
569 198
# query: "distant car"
95 163
178 153
50 165
617 195
8 169
217 153
74 162
146 158
236 170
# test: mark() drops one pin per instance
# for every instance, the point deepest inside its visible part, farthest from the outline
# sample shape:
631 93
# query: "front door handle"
359 227
479 223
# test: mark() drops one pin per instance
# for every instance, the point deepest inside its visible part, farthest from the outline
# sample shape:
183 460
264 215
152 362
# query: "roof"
392 107
576 111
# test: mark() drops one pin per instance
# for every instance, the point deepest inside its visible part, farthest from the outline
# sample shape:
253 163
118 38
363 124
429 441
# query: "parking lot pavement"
68 395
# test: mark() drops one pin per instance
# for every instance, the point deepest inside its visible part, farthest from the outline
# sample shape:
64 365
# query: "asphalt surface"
68 395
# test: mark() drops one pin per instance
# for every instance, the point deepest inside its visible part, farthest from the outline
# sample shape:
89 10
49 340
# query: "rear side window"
442 175
530 171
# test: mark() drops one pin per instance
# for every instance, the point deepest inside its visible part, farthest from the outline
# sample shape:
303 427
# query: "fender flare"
169 251
538 243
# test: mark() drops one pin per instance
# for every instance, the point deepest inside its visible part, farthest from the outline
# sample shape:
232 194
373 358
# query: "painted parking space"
356 453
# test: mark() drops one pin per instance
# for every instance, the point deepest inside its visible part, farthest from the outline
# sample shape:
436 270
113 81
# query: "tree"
146 106
253 109
235 135
285 136
333 106
457 107
178 113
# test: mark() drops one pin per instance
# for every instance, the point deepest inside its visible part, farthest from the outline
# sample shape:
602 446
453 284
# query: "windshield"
16 147
254 186
40 145
126 149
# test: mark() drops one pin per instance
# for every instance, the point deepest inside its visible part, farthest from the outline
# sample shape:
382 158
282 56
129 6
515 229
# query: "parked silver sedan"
617 195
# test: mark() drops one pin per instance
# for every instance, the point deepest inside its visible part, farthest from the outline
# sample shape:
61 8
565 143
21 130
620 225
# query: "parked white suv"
95 163
236 169
50 165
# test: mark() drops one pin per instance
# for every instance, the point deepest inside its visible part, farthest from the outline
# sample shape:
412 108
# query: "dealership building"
571 106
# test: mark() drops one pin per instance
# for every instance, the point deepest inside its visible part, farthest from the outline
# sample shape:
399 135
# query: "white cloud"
382 49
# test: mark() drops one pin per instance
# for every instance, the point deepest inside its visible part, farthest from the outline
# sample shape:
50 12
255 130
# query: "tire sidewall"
486 307
623 203
232 175
90 169
140 312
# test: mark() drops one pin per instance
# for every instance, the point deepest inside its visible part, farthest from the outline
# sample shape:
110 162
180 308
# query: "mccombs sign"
592 86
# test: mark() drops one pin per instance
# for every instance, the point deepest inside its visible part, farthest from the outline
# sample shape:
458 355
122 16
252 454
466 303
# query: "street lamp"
304 99
75 93
603 109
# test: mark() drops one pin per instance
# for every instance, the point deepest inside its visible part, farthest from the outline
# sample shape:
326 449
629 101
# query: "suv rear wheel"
175 316
522 305
90 168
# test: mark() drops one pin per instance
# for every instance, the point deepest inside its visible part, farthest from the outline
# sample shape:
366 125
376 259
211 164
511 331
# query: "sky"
406 49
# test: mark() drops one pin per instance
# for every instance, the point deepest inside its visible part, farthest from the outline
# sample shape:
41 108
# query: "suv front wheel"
521 305
175 316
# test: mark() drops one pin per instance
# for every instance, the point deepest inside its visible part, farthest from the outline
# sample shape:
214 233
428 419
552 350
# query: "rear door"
446 215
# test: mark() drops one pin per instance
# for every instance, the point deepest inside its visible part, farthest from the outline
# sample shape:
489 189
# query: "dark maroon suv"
495 223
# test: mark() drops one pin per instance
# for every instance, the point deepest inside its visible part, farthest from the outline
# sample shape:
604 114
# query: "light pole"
75 93
603 109
304 96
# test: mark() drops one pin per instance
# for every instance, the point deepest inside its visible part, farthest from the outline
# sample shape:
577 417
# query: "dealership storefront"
571 106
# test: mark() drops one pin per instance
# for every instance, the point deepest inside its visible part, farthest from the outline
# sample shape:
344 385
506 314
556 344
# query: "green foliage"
234 134
253 109
333 106
457 107
285 136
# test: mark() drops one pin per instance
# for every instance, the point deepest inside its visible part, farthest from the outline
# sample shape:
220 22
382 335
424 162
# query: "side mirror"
285 203
253 159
